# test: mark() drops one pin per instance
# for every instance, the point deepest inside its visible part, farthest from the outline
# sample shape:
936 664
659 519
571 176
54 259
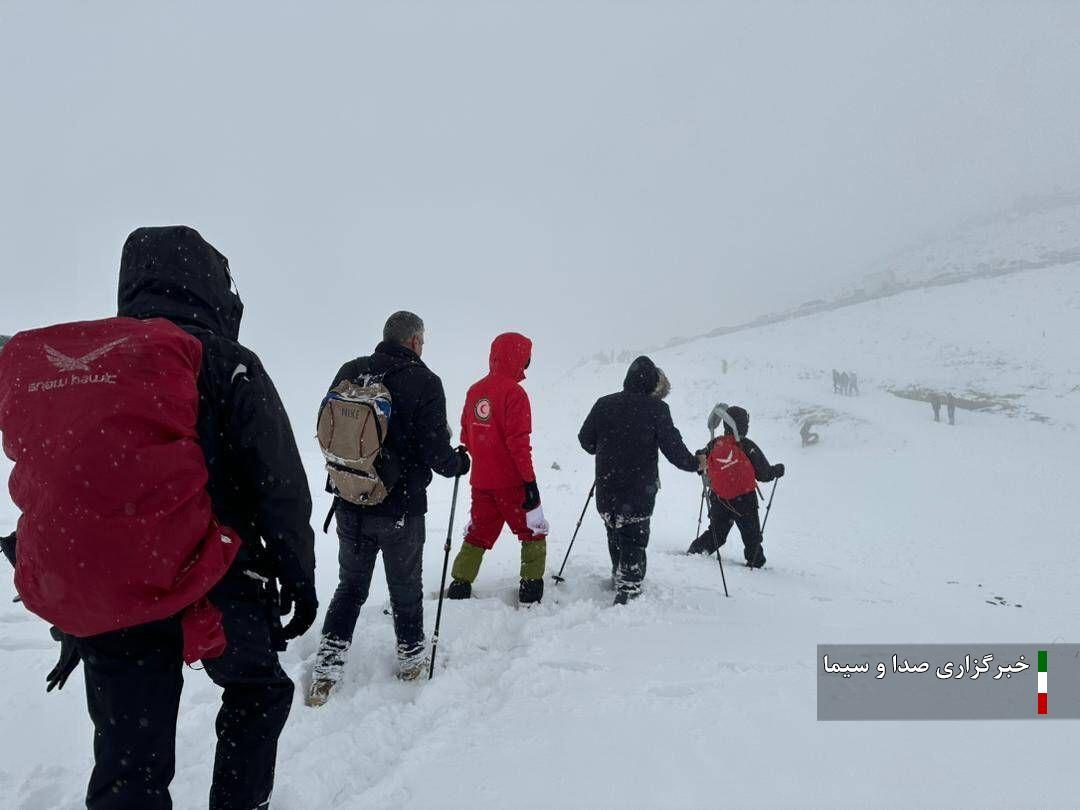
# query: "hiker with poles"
496 427
626 431
735 464
194 536
383 430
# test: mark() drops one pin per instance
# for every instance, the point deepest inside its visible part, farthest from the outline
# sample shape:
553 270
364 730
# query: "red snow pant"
491 510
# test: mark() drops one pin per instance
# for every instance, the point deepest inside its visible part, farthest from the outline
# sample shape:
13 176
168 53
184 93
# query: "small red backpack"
731 473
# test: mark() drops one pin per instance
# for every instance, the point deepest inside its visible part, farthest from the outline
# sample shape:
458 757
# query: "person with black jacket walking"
626 432
418 438
741 510
258 488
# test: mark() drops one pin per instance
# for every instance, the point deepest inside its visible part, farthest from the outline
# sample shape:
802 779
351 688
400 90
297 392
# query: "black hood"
642 377
174 273
741 419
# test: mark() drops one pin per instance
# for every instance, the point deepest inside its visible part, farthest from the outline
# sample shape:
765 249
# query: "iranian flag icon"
1042 681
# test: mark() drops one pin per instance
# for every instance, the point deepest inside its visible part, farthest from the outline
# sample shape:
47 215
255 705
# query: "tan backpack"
352 425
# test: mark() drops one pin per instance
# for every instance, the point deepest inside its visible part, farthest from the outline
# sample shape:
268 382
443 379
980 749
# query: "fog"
596 175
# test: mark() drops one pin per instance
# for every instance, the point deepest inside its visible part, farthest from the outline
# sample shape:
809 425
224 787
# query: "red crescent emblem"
483 409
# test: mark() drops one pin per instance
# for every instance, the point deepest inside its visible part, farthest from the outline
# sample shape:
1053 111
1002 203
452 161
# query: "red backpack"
116 527
731 473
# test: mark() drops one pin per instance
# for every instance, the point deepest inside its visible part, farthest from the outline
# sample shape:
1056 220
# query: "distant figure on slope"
496 426
853 384
808 437
935 403
723 365
835 381
844 382
734 464
950 405
625 431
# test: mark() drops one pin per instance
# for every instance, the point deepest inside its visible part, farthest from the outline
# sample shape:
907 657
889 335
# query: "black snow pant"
741 511
361 538
133 682
626 545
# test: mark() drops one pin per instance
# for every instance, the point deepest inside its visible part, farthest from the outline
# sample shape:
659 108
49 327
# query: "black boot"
621 598
459 589
755 556
706 544
530 591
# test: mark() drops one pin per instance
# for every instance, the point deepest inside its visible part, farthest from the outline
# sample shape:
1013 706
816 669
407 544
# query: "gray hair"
401 327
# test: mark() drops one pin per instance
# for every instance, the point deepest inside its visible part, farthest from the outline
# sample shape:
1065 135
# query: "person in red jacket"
496 424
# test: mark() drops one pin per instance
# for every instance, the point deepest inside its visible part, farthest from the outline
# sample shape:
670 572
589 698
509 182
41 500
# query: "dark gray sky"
594 174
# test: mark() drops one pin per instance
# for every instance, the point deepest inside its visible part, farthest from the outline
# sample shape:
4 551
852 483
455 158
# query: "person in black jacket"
418 438
626 432
743 510
258 487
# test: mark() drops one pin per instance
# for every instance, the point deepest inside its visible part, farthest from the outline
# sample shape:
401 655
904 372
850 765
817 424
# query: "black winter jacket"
625 431
418 434
257 484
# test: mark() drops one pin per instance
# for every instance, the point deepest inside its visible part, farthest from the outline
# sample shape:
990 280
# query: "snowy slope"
1035 233
893 529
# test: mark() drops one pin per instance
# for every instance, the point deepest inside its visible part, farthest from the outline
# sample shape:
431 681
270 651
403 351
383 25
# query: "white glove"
536 523
468 528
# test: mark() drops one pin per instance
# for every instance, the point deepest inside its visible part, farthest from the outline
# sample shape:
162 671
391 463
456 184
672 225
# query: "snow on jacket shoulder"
496 422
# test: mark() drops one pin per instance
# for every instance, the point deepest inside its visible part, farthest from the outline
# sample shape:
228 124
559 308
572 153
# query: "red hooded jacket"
496 422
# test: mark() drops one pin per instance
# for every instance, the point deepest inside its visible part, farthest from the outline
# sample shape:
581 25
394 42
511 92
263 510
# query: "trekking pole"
769 506
701 510
719 559
559 577
442 585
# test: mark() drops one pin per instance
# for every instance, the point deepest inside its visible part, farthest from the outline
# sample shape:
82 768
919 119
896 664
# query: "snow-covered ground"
894 529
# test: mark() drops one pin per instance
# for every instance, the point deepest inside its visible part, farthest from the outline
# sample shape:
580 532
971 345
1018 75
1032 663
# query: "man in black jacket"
742 510
626 432
418 438
258 487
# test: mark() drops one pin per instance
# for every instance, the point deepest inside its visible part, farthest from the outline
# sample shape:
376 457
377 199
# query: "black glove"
7 545
65 665
532 496
778 470
464 462
303 604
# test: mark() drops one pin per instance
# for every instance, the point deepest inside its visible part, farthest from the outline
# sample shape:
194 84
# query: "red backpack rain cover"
731 473
116 527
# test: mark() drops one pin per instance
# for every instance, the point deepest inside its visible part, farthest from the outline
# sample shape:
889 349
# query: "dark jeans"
133 683
741 512
361 537
626 545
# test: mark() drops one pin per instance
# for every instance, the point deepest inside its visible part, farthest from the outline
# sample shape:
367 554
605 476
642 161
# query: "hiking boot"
704 545
755 556
530 591
327 669
459 589
412 663
621 598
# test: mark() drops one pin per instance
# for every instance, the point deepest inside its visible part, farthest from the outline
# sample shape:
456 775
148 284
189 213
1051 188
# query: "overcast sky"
594 174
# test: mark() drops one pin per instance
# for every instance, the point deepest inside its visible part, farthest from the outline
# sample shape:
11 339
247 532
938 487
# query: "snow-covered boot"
326 672
459 589
413 662
755 556
530 591
621 598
